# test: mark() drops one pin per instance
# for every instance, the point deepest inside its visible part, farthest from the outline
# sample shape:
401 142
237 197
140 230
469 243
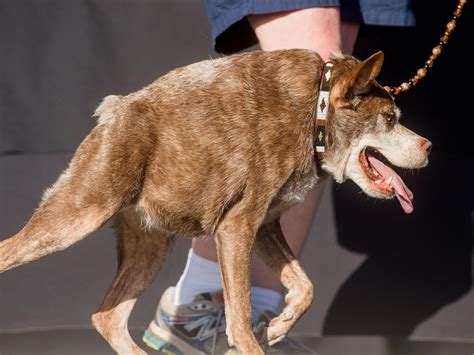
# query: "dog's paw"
230 338
268 336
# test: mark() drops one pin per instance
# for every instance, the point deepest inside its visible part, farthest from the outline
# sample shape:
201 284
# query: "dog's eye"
389 118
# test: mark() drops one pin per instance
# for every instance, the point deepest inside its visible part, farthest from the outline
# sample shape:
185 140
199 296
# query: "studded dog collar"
322 108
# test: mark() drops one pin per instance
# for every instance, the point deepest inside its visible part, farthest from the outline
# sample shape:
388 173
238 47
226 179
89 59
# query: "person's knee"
317 29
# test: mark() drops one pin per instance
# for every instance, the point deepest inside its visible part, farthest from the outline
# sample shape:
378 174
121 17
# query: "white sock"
200 275
264 299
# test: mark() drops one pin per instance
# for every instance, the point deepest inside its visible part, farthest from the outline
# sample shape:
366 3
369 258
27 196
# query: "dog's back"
202 147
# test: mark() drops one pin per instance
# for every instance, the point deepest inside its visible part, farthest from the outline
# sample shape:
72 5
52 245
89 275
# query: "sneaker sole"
162 340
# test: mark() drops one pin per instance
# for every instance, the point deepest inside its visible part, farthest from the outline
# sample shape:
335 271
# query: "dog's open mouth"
384 179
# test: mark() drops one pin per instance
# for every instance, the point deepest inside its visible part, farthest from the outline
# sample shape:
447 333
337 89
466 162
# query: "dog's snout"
426 146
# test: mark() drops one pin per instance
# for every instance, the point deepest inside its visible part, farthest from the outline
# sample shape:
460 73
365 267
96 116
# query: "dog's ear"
365 73
359 79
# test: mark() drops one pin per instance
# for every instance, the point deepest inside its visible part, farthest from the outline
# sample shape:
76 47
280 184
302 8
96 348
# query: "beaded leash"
421 73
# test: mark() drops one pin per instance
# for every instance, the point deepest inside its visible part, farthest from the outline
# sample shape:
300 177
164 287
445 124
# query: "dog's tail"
104 175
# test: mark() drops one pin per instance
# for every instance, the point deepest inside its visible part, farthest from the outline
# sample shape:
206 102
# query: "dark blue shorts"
231 31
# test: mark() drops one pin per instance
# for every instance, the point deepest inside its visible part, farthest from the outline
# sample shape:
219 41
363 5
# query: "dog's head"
365 135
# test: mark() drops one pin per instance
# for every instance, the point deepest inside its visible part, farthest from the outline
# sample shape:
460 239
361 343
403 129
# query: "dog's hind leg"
141 253
96 185
275 252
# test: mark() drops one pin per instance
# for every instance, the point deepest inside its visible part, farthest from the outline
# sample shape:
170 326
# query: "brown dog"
220 147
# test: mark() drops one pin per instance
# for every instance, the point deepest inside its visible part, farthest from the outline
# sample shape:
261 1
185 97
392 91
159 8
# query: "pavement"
87 341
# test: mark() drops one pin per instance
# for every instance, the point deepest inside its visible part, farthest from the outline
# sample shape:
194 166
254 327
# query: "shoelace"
220 313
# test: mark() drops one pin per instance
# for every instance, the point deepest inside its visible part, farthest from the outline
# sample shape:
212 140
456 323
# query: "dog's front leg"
235 237
275 252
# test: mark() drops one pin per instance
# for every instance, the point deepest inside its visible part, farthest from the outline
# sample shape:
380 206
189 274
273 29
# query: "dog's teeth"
378 181
389 181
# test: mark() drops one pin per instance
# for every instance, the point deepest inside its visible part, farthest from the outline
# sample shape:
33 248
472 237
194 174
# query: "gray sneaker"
194 328
199 328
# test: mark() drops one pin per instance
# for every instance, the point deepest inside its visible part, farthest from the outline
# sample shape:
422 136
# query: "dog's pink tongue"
403 193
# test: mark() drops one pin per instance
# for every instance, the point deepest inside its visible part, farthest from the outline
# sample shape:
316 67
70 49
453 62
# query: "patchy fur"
219 147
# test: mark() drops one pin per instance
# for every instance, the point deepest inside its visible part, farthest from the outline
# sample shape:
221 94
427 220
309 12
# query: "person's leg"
349 32
318 29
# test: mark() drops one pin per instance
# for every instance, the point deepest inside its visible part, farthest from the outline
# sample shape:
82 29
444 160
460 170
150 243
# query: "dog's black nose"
426 145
